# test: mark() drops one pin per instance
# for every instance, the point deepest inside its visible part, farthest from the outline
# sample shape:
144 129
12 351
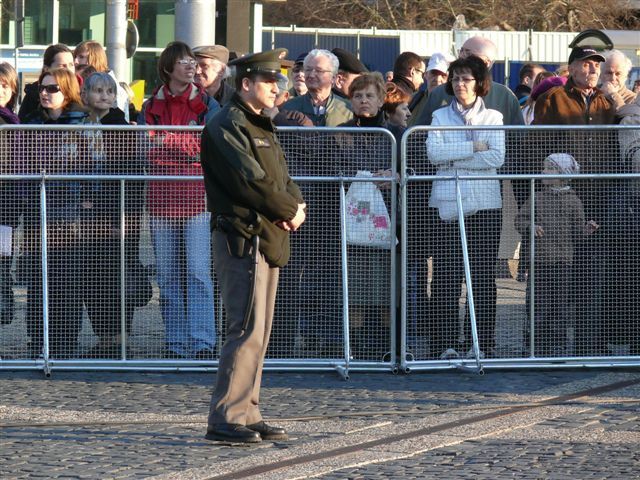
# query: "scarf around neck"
469 116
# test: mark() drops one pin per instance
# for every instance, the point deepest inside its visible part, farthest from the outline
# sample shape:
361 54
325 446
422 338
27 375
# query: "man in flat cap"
580 102
254 205
211 72
349 68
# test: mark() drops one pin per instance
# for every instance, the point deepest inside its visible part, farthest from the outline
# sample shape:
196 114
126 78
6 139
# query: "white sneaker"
471 355
449 354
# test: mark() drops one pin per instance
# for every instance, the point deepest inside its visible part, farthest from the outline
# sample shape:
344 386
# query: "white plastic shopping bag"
6 240
367 219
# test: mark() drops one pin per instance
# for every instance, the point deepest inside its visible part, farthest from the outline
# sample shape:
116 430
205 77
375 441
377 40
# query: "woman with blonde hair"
91 54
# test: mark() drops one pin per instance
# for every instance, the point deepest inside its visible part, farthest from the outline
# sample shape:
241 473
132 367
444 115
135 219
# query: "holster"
237 245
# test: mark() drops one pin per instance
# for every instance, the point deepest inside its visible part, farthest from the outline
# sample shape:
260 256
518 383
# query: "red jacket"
176 153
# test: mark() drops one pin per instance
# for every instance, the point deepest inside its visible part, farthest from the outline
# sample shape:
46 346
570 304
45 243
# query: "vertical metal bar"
467 276
123 272
55 14
45 282
532 268
345 276
403 253
394 288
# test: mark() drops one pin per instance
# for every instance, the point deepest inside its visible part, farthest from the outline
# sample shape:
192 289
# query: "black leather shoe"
232 432
268 432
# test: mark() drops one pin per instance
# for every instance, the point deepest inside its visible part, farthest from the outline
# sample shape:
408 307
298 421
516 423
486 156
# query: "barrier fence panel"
105 251
113 224
570 298
311 308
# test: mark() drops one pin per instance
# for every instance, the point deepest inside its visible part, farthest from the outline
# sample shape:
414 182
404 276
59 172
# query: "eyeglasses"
49 88
463 80
421 72
317 71
187 62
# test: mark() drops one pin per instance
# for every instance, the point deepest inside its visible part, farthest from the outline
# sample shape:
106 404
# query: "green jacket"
246 178
338 110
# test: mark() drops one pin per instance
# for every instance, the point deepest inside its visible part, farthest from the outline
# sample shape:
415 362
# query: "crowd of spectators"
578 226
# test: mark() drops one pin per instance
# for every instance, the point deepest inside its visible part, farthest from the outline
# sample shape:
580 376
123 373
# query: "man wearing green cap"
254 205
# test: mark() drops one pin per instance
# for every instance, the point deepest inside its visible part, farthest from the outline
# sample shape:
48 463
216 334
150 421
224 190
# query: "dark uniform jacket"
246 178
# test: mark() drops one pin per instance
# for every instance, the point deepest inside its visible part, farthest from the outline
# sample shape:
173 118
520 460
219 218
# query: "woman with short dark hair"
177 212
465 152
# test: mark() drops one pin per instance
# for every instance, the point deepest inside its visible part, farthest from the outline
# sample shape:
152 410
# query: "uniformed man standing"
254 205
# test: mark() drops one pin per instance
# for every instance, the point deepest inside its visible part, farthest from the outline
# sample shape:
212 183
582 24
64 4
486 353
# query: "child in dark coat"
559 224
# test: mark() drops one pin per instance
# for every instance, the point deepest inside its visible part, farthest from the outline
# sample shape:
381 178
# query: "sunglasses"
49 88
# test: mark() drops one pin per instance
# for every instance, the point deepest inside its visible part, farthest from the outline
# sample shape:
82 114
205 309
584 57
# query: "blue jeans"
183 258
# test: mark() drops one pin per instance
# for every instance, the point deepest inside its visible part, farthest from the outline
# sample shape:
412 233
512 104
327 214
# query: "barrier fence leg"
45 283
532 270
123 272
467 274
344 370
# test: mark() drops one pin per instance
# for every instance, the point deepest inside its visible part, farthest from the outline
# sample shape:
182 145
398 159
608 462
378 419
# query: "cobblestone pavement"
141 425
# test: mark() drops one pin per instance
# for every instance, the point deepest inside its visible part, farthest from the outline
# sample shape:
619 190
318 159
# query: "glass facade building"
72 21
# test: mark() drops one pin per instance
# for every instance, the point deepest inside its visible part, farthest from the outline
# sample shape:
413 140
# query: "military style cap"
348 61
263 62
217 52
582 53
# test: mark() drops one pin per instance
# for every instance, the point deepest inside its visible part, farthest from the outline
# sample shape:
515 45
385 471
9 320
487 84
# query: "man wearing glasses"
499 98
211 72
320 104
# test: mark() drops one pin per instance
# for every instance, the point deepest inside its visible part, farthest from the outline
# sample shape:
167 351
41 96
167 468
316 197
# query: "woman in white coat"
465 152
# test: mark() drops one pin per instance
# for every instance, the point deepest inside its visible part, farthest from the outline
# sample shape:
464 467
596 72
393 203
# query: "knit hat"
565 163
547 84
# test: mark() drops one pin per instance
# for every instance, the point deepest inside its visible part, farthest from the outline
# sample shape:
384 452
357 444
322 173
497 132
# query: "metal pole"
394 288
532 268
123 272
55 13
345 278
45 283
117 37
467 275
195 22
403 256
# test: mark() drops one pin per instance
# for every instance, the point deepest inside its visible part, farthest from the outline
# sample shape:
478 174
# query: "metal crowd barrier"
570 298
105 259
111 254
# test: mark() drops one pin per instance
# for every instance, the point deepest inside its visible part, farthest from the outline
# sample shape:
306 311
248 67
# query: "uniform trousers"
236 396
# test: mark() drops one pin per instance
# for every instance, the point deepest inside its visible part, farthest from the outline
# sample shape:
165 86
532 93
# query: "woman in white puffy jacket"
465 152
